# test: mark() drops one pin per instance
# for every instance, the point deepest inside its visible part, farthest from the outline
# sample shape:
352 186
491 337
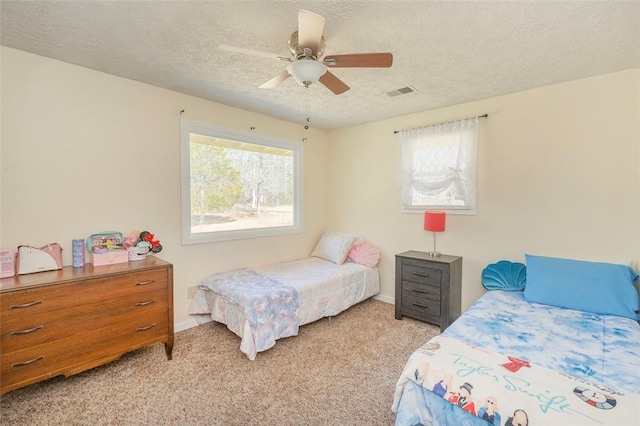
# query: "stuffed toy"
143 240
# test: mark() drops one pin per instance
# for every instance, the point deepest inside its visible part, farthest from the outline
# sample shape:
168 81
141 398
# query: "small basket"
137 253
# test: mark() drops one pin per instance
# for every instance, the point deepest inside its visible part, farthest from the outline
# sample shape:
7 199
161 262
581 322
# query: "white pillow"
334 247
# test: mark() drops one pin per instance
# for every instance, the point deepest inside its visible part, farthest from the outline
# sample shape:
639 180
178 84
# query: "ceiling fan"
306 66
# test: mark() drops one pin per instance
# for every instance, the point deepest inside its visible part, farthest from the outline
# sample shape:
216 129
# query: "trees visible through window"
238 185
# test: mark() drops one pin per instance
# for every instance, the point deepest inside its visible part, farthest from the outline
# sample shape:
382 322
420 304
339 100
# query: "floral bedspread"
450 382
270 307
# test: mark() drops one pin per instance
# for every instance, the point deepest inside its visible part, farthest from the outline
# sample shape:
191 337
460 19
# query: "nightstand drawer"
420 274
420 291
422 309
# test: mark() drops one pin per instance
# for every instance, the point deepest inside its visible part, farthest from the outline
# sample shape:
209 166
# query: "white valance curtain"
437 159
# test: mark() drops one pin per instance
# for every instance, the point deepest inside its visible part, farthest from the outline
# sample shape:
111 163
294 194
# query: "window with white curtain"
438 167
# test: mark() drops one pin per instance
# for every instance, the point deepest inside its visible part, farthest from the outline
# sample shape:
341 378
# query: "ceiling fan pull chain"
308 118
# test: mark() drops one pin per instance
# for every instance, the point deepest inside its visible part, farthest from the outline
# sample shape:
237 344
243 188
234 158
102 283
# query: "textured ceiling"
451 52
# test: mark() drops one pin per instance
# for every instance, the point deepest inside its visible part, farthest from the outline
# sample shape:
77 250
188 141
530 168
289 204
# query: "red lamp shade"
434 221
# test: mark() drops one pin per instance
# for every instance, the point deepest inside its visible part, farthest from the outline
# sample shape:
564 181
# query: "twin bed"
262 305
555 342
559 348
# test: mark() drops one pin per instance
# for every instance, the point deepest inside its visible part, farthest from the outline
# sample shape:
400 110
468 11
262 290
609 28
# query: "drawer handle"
146 282
31 361
421 274
149 327
148 302
31 330
26 305
417 290
420 305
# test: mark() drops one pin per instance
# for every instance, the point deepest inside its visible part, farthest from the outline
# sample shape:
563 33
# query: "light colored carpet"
343 373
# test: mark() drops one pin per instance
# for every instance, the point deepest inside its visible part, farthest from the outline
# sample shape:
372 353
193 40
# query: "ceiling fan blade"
310 29
360 60
333 83
259 53
275 80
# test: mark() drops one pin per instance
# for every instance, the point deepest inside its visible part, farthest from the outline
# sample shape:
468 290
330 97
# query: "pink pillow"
365 254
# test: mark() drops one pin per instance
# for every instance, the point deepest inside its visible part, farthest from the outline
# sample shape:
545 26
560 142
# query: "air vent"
402 91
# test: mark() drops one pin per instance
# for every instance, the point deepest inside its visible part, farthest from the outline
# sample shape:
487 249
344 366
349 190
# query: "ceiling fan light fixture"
306 71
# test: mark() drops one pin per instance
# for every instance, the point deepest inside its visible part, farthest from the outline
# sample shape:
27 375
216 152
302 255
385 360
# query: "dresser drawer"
70 320
420 274
70 355
33 362
43 327
23 305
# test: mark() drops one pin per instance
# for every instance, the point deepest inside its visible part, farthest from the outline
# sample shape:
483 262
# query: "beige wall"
85 152
558 176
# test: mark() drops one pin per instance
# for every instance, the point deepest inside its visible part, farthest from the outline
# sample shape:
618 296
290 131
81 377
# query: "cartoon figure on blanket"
463 398
519 418
441 387
489 411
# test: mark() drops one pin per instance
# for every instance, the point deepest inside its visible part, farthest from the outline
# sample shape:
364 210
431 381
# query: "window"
438 167
238 184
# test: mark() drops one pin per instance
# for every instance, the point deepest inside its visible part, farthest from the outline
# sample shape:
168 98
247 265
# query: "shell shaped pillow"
505 275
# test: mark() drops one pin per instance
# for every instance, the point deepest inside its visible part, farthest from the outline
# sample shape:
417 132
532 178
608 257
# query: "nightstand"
428 288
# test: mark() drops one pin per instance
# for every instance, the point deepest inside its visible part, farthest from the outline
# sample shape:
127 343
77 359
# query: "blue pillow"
504 275
601 288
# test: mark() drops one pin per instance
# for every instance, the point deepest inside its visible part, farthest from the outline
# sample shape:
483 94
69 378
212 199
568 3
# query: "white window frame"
186 128
412 142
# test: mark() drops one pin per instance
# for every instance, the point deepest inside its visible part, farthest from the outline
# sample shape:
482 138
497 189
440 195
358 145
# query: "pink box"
110 257
7 265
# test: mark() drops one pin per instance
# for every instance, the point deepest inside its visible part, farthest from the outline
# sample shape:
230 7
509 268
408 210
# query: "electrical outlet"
191 292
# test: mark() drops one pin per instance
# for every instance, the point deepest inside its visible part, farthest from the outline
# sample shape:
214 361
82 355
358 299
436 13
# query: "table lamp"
434 222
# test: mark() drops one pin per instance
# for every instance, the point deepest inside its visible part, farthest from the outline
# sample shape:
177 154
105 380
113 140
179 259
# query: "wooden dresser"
67 321
428 288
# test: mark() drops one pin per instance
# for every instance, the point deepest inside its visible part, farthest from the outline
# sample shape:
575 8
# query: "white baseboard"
185 325
386 299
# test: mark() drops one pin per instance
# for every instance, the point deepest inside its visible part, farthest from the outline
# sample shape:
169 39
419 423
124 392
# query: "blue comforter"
598 348
599 355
